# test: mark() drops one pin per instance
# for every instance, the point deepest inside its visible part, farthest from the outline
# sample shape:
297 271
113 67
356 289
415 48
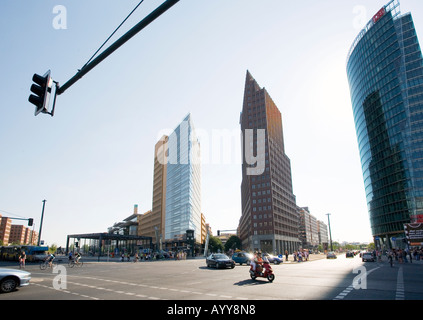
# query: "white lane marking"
350 288
400 294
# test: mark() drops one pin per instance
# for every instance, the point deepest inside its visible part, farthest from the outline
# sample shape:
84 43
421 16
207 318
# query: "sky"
93 161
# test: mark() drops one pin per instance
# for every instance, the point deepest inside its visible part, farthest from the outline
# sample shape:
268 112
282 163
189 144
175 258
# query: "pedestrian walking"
286 255
404 253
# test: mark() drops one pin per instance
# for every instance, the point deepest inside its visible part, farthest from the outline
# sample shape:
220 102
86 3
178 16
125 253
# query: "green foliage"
233 243
215 244
52 248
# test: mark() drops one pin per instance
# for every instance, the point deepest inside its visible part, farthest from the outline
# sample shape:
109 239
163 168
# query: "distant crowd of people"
405 255
300 255
149 256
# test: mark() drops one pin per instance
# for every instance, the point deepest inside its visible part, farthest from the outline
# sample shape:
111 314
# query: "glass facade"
385 73
183 183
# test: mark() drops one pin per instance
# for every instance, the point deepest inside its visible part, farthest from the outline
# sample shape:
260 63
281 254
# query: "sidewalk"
314 257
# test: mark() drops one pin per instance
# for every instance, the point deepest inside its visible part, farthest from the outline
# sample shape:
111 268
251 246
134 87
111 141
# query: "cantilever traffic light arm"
137 28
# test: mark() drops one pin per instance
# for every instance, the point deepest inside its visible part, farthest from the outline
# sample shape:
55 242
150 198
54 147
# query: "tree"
233 243
215 244
52 248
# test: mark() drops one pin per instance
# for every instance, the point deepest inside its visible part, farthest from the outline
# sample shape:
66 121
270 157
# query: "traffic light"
42 90
30 222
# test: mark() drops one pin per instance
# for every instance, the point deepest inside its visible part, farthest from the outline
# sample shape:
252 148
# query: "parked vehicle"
10 279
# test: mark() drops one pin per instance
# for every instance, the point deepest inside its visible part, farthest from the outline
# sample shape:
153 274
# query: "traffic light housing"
30 222
42 90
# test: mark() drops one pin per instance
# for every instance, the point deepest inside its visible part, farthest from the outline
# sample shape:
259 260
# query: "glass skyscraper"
183 183
385 73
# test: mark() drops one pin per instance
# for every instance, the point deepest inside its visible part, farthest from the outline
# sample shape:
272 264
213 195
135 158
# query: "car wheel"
8 285
232 266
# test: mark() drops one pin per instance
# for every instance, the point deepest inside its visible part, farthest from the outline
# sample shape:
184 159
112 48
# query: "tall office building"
269 218
385 73
152 222
5 226
183 183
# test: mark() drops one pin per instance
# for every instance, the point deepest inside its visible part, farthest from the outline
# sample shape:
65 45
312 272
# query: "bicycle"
73 263
46 264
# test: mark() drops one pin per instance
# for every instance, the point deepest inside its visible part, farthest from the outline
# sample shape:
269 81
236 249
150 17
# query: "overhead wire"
136 7
11 213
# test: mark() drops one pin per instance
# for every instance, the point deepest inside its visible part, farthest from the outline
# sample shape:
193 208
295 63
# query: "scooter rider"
253 261
256 261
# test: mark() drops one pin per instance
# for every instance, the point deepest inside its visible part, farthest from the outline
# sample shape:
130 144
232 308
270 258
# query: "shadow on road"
250 282
209 268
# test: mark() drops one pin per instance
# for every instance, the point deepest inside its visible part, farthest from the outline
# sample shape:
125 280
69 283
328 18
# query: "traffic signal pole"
41 224
113 47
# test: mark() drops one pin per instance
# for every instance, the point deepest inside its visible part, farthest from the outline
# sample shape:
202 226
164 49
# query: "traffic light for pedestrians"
42 90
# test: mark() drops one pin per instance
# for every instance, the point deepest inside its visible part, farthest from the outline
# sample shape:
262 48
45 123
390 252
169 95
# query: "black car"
220 260
349 254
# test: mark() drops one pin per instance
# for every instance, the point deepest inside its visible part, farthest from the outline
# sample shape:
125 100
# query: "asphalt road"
188 280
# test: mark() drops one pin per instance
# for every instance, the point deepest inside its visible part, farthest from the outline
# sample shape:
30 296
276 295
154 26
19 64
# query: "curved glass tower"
385 74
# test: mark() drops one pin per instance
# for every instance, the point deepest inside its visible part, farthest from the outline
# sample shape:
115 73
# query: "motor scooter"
268 272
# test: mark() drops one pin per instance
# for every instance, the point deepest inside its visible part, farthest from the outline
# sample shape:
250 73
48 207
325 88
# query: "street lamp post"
330 233
41 223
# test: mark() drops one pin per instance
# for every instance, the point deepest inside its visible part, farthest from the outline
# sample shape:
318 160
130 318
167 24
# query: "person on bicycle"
50 259
77 257
22 259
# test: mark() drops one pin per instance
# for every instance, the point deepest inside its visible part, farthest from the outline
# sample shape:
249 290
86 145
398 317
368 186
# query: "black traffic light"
30 222
42 90
190 234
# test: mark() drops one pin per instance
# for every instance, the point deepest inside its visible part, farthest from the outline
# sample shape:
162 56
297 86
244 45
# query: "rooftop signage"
379 15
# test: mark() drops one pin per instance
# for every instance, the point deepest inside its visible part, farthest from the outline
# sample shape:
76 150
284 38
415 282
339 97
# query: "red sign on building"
379 15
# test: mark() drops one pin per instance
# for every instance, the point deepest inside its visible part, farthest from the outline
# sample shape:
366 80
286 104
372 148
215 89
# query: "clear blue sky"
94 159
